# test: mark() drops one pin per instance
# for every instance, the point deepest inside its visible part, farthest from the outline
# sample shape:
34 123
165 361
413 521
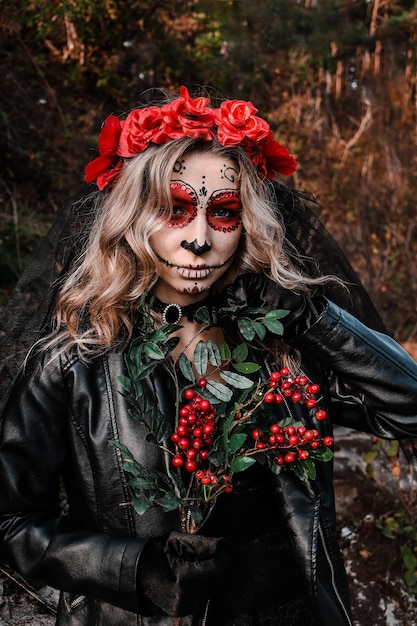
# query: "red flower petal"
109 136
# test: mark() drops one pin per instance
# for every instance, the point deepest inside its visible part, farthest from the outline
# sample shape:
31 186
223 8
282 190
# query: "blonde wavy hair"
96 303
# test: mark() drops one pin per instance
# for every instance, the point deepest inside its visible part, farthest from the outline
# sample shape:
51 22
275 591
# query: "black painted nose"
195 247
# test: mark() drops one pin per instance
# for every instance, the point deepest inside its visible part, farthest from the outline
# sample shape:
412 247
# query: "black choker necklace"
172 313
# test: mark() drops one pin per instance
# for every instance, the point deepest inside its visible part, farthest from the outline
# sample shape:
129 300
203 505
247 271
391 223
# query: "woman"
186 213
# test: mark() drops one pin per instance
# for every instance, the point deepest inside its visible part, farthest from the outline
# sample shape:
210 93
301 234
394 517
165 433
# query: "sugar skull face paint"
198 243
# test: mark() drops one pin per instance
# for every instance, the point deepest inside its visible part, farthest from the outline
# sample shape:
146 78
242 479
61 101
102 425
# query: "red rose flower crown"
234 123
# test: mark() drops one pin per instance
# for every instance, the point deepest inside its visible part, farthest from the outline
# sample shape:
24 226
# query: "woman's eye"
177 209
224 213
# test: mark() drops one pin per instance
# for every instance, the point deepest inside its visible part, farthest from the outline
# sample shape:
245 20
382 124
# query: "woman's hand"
257 290
181 571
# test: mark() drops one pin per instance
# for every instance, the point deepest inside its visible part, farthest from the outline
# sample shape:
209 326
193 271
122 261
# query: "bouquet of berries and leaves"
221 428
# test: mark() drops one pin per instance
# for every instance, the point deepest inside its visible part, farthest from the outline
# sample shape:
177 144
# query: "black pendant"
172 314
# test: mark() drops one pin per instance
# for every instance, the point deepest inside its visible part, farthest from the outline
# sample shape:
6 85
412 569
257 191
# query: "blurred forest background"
335 78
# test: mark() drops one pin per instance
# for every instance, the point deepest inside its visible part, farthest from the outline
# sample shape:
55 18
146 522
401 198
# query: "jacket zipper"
204 618
330 563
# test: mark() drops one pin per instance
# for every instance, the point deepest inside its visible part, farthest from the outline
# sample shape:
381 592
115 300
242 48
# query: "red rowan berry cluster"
195 431
298 389
290 443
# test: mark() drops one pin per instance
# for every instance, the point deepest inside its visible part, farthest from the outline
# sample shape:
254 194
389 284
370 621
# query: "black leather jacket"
58 423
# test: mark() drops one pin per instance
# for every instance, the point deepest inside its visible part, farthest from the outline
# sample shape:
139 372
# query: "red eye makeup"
184 205
224 210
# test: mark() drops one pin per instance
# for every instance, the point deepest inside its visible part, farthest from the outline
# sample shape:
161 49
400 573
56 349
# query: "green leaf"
140 506
219 391
309 468
259 329
246 328
203 315
153 351
240 353
236 380
246 368
168 502
186 369
240 463
274 326
225 352
408 557
214 355
126 383
276 314
158 335
236 442
201 358
325 454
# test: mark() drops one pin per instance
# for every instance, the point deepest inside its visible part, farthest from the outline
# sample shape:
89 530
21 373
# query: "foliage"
400 524
222 427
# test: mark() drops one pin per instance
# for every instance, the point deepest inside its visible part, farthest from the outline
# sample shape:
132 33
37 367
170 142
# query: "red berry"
284 371
202 383
269 397
313 388
328 441
311 403
191 453
197 432
260 445
175 437
314 445
182 430
183 443
275 377
272 439
257 434
191 465
293 439
275 428
189 394
279 460
228 489
278 398
301 430
303 454
302 380
290 430
198 444
178 461
309 435
204 454
199 474
204 405
289 457
321 415
206 479
296 396
208 429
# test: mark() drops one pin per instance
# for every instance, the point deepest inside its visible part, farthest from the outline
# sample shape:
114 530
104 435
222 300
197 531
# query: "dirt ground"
379 595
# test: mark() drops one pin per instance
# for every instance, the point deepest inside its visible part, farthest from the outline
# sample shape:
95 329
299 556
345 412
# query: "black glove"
257 290
180 572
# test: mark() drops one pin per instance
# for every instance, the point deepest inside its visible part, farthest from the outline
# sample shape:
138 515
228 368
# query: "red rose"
189 117
141 127
237 121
